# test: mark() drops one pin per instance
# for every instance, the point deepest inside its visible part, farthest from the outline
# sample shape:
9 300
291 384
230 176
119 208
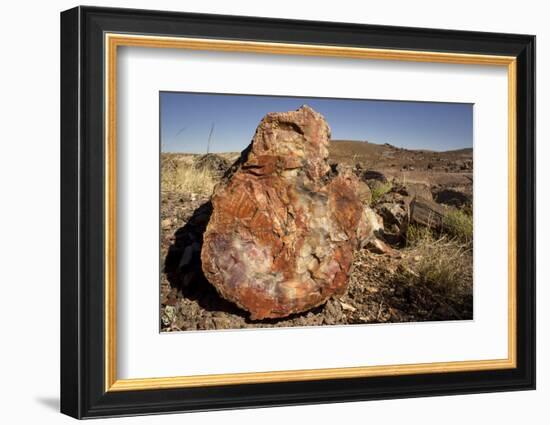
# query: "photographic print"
288 211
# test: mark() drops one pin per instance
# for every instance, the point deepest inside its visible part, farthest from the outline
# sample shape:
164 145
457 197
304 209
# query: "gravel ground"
377 292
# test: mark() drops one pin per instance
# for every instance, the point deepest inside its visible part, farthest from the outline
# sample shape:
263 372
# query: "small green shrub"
378 190
459 225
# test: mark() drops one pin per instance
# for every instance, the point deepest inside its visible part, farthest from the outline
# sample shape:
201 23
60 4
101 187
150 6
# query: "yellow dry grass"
184 176
443 263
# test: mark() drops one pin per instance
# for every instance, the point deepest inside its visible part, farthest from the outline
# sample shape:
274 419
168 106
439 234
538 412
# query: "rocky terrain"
417 268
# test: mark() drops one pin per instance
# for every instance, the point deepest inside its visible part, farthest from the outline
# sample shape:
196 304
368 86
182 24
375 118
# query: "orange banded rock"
284 226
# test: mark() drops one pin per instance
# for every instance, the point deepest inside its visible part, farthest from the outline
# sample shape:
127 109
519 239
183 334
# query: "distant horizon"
336 140
187 119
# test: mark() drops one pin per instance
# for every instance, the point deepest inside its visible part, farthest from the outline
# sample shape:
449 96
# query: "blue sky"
186 120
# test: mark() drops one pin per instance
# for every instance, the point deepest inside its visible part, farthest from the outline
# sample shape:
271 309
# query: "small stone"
378 246
348 307
169 315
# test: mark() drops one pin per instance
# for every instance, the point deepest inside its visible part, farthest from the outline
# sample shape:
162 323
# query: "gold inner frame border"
112 41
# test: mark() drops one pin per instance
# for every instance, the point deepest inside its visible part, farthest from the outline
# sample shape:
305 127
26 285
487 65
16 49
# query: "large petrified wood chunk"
284 226
427 213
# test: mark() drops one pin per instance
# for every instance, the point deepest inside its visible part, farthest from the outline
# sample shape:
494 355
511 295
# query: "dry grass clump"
418 234
184 176
441 265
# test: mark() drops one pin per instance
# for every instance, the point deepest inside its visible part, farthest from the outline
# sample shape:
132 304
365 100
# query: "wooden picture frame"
90 38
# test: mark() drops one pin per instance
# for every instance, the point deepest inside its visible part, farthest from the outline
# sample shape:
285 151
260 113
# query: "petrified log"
427 213
284 225
453 197
374 176
418 190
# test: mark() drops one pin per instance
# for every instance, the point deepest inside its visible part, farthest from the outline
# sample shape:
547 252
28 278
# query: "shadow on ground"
183 269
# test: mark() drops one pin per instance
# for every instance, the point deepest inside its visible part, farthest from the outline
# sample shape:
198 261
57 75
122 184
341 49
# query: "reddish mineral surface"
284 225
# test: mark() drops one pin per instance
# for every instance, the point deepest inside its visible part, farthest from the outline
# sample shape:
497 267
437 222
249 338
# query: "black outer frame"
82 212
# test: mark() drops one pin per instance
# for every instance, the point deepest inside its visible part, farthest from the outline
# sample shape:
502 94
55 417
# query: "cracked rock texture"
284 226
